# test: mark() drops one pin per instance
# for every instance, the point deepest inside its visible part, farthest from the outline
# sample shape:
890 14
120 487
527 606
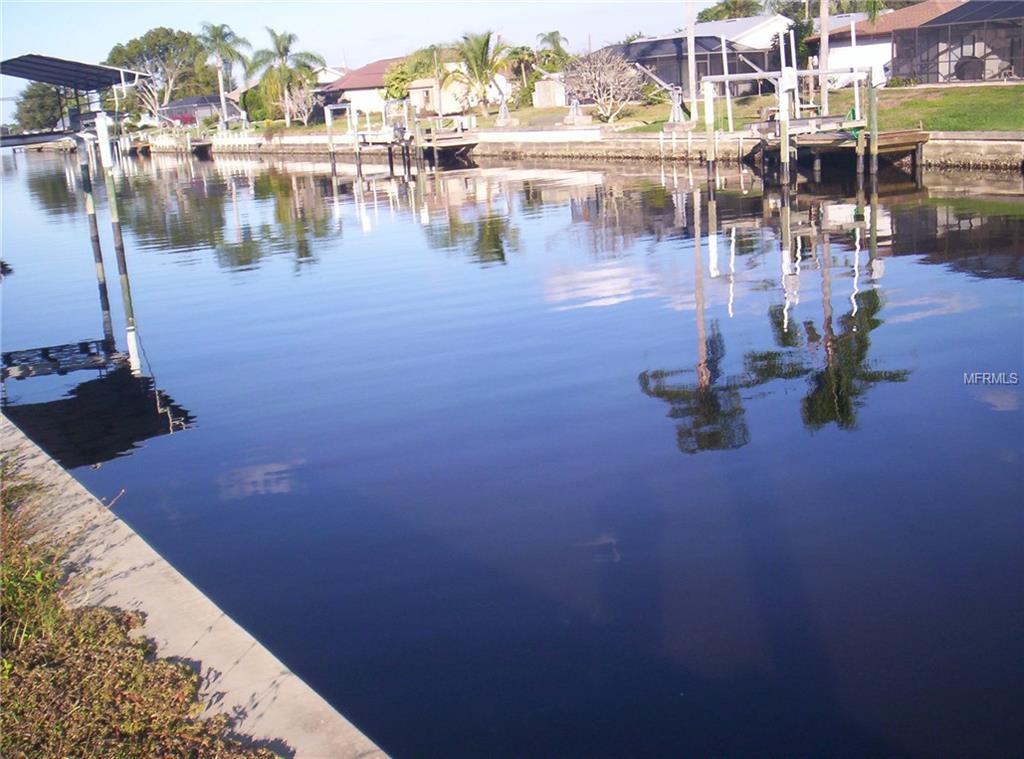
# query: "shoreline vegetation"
76 680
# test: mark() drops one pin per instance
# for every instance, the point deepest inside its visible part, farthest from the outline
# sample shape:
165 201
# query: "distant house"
362 88
326 75
454 95
874 39
193 110
980 40
747 44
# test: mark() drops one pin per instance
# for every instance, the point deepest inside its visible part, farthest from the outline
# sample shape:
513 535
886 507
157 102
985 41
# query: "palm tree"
282 66
225 47
553 40
481 57
521 58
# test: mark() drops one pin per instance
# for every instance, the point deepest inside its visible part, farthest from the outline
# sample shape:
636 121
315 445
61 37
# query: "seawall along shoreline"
112 566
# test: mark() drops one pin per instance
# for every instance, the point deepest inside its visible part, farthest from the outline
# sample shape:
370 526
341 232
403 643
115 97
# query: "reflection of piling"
709 130
94 237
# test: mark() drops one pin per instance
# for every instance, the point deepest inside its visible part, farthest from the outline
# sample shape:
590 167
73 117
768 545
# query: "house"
326 75
196 109
871 41
362 88
979 40
747 44
454 95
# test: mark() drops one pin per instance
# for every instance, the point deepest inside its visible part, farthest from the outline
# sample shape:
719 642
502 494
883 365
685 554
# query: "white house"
363 88
455 97
326 75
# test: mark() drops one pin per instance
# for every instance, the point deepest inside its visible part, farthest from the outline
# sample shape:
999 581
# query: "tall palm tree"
553 40
284 66
225 48
481 57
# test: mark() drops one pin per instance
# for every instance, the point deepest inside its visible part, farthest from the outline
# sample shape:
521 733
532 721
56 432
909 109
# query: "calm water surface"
542 461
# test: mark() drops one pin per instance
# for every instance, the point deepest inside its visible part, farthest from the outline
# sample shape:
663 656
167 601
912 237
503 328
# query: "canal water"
560 460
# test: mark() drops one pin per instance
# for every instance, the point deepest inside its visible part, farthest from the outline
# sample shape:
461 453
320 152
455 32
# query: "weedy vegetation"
74 681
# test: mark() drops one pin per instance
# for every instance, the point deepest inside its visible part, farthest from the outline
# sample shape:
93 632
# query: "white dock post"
728 91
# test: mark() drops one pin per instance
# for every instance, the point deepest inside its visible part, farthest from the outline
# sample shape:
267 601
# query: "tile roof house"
362 88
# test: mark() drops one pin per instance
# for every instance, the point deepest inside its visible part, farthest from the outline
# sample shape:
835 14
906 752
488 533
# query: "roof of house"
193 100
837 20
730 28
368 77
905 18
980 10
674 47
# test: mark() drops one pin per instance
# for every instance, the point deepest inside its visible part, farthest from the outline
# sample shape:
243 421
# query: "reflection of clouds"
259 479
932 305
594 288
622 281
1001 398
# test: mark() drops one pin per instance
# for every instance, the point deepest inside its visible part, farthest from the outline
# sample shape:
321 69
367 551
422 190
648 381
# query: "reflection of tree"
50 190
837 390
172 211
710 413
615 217
710 410
487 239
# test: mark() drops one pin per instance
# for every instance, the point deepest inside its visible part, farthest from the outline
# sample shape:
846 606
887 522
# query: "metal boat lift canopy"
76 75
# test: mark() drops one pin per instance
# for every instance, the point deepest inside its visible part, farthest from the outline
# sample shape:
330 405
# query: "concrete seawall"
993 150
268 704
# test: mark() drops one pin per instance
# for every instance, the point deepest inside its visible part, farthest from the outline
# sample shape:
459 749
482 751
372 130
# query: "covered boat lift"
71 80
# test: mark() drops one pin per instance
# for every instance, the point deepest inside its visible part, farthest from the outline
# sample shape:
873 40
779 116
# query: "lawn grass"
73 681
950 109
937 109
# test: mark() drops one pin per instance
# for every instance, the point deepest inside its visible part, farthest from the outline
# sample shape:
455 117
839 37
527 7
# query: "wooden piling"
391 160
873 125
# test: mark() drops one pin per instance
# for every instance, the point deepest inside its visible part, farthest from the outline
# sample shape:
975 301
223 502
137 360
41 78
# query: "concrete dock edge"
112 566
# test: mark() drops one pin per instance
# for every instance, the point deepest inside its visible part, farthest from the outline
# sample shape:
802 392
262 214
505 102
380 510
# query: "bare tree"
303 101
606 78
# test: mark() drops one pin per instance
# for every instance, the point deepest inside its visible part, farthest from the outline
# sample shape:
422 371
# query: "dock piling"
873 125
